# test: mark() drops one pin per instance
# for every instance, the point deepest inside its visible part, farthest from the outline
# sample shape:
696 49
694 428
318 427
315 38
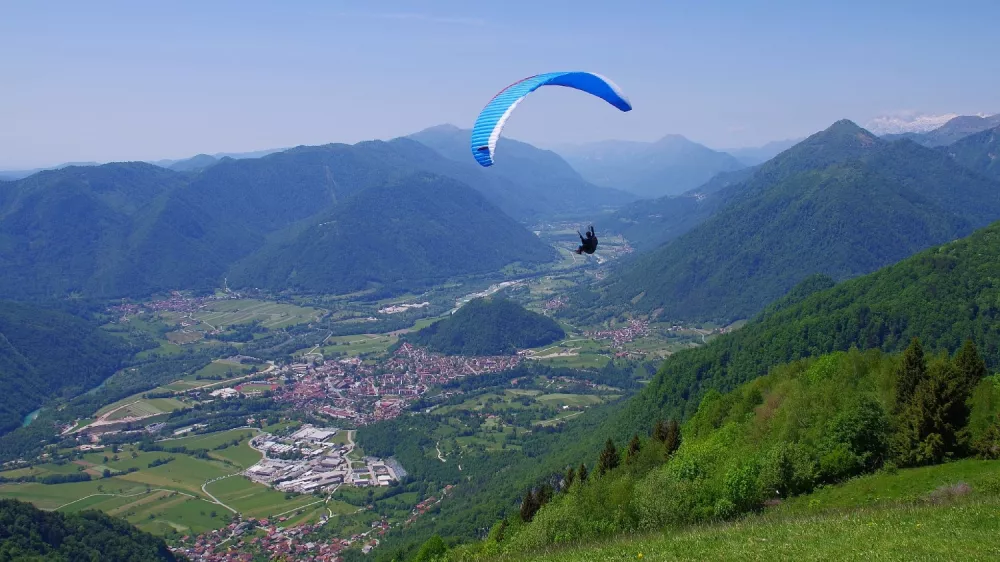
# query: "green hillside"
843 203
28 533
807 424
46 353
410 232
489 326
979 152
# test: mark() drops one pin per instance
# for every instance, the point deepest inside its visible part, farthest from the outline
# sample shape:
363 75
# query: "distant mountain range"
526 182
185 164
951 131
669 166
136 228
843 202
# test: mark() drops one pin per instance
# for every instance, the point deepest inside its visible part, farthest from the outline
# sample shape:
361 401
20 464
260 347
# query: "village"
360 393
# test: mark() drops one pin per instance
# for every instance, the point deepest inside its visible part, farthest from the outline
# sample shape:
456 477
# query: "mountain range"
843 203
669 166
526 182
950 132
135 228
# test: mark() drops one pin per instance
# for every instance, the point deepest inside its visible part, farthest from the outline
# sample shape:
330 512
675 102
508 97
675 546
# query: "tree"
581 473
543 495
568 479
971 365
910 372
634 445
609 458
672 439
432 550
660 431
529 506
931 424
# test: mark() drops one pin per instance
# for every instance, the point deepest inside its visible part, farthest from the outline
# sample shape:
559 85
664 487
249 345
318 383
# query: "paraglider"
492 118
588 244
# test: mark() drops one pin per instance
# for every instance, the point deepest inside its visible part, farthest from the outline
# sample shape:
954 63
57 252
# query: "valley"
242 429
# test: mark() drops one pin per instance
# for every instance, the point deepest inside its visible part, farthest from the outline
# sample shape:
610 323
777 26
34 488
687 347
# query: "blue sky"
82 81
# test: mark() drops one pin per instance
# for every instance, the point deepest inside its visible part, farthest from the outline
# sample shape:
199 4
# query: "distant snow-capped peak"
908 122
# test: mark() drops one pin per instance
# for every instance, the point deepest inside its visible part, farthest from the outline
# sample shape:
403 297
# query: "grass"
217 368
222 314
906 485
146 408
962 531
561 400
255 500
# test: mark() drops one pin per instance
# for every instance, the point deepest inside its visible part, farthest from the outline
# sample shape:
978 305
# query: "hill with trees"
669 166
489 326
28 533
842 203
132 229
411 232
811 423
979 152
46 353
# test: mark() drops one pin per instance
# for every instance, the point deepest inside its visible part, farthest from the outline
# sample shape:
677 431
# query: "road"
215 499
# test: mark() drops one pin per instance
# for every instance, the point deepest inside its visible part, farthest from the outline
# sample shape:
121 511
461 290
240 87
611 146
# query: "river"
30 418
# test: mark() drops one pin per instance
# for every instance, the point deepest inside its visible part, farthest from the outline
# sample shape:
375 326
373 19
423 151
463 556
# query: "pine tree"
932 423
543 495
971 365
581 473
529 506
672 441
660 431
609 458
634 445
569 478
909 374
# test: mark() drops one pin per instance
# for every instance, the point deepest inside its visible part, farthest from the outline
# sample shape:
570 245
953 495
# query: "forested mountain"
194 164
979 152
842 203
409 232
46 353
669 166
130 229
526 182
651 222
28 533
489 326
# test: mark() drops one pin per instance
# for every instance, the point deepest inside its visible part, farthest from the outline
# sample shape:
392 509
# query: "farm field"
256 500
273 315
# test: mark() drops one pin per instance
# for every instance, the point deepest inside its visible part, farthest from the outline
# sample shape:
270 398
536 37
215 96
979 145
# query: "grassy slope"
828 524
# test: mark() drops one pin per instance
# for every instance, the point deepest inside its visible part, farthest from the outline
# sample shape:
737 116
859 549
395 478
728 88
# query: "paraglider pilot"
588 244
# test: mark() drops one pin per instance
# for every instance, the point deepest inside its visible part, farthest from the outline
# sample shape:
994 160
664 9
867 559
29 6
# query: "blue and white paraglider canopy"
491 120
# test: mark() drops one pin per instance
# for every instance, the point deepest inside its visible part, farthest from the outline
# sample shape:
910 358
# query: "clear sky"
130 80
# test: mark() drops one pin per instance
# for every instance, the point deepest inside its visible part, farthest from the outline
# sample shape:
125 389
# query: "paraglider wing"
492 118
